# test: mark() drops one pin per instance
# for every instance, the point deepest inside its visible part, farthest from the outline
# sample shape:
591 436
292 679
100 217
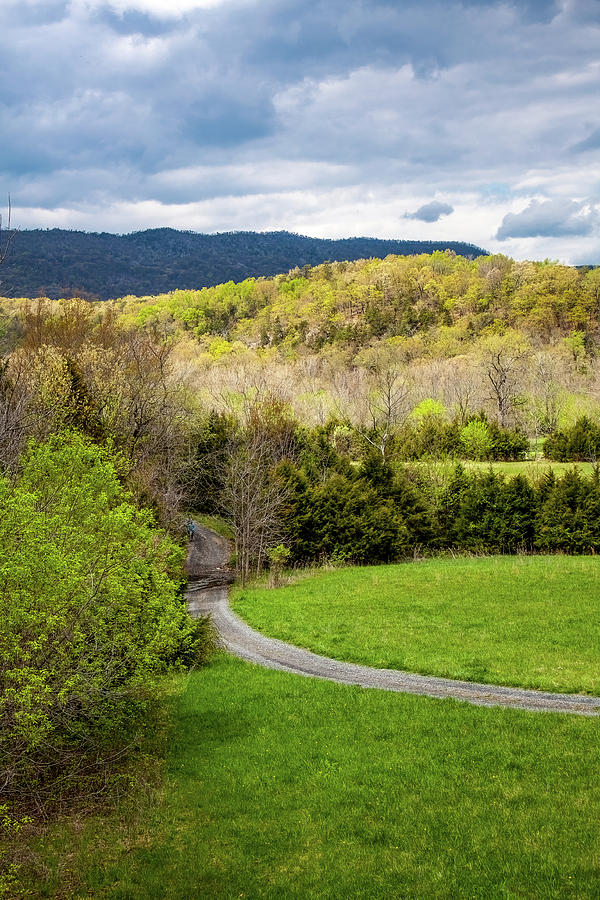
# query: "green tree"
476 440
91 615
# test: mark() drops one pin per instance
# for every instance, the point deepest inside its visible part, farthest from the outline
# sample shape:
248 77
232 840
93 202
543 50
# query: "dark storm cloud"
549 218
431 212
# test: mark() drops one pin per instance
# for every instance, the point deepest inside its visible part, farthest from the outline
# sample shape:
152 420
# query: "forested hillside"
57 263
431 304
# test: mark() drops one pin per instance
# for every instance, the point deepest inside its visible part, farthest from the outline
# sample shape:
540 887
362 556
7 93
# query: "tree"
254 495
503 357
476 439
387 401
15 399
90 612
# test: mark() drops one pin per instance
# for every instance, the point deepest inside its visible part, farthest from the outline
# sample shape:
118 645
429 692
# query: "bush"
580 442
476 440
346 519
91 614
569 517
278 557
486 512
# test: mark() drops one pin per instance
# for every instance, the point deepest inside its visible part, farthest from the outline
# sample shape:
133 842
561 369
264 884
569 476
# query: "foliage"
354 516
476 439
10 869
580 442
278 557
569 518
435 304
91 614
60 263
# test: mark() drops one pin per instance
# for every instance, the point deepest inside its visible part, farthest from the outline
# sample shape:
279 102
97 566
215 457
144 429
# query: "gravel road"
208 595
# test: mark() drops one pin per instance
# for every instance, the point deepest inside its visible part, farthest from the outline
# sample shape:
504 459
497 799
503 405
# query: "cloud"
311 114
591 142
431 212
549 218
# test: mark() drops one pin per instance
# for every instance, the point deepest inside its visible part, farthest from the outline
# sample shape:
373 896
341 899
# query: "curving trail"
208 595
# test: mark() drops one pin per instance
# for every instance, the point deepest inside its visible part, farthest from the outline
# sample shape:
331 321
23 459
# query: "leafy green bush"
487 512
91 614
476 440
278 557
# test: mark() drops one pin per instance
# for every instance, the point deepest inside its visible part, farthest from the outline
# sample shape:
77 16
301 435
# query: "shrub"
278 557
91 614
569 517
476 440
580 442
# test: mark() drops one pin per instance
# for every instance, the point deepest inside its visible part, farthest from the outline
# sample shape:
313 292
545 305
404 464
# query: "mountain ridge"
102 265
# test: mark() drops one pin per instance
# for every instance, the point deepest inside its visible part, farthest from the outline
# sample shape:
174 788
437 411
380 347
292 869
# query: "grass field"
285 787
517 620
532 469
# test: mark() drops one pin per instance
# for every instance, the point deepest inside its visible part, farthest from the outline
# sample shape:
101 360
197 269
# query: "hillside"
57 263
430 305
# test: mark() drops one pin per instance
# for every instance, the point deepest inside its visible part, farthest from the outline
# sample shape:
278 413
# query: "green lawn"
288 787
532 621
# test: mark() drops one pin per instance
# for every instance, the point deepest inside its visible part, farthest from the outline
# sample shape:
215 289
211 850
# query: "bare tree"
503 360
254 496
14 402
387 403
460 384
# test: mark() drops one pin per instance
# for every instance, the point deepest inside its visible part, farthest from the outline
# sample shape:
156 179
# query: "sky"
433 120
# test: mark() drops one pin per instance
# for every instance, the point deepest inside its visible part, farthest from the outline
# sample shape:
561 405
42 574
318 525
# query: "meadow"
533 469
282 786
528 621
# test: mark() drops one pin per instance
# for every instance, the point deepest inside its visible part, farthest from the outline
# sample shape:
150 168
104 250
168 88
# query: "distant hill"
57 263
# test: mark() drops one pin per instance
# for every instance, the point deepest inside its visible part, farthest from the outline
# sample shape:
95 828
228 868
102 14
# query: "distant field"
532 469
286 787
515 620
215 522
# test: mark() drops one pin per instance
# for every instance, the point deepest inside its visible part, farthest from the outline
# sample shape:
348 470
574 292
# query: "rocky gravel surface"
208 595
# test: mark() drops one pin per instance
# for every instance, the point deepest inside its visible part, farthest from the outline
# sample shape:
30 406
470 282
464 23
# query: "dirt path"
208 595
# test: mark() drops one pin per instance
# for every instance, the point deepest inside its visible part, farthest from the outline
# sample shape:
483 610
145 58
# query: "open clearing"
531 468
279 786
512 620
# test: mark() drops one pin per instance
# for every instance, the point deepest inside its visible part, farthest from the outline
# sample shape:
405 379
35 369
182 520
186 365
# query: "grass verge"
528 621
281 786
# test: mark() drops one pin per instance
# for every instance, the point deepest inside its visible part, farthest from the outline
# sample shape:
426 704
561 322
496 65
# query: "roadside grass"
283 786
530 621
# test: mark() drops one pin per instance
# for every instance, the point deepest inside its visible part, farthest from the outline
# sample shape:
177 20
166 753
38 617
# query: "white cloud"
331 117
